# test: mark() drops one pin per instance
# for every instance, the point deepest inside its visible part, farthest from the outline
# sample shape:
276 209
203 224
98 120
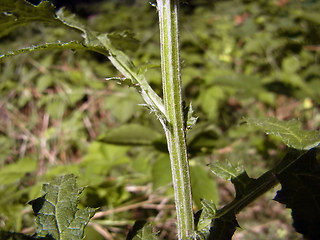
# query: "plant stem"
174 127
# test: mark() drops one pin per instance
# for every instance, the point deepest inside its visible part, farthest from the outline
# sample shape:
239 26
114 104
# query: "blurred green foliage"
58 115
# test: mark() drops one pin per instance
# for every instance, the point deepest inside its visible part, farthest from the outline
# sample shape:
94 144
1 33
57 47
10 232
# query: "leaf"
97 42
225 169
290 132
203 134
74 45
189 118
247 190
107 44
57 214
208 212
15 171
211 100
209 207
141 230
290 64
124 40
20 12
123 107
160 173
130 134
124 65
300 191
203 186
223 228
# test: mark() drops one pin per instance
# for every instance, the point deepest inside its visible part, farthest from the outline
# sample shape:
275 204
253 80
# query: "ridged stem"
174 127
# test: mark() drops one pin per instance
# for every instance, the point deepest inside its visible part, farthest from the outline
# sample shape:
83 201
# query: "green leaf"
189 118
225 169
290 64
209 207
247 190
300 185
74 45
130 134
57 212
20 12
97 42
125 106
161 174
15 171
203 186
203 134
290 132
124 65
207 214
124 40
210 100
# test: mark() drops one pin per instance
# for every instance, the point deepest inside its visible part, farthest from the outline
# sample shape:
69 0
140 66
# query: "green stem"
174 127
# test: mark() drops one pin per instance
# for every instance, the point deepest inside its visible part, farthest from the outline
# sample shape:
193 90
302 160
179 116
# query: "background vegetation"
59 115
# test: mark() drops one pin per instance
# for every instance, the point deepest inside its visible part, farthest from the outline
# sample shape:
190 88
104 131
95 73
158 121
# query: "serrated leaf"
209 207
97 42
123 81
189 118
20 12
207 214
57 212
74 45
290 132
300 191
225 169
130 134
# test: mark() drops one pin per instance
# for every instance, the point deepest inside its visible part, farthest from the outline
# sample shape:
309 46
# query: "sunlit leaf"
290 132
208 212
209 207
225 169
